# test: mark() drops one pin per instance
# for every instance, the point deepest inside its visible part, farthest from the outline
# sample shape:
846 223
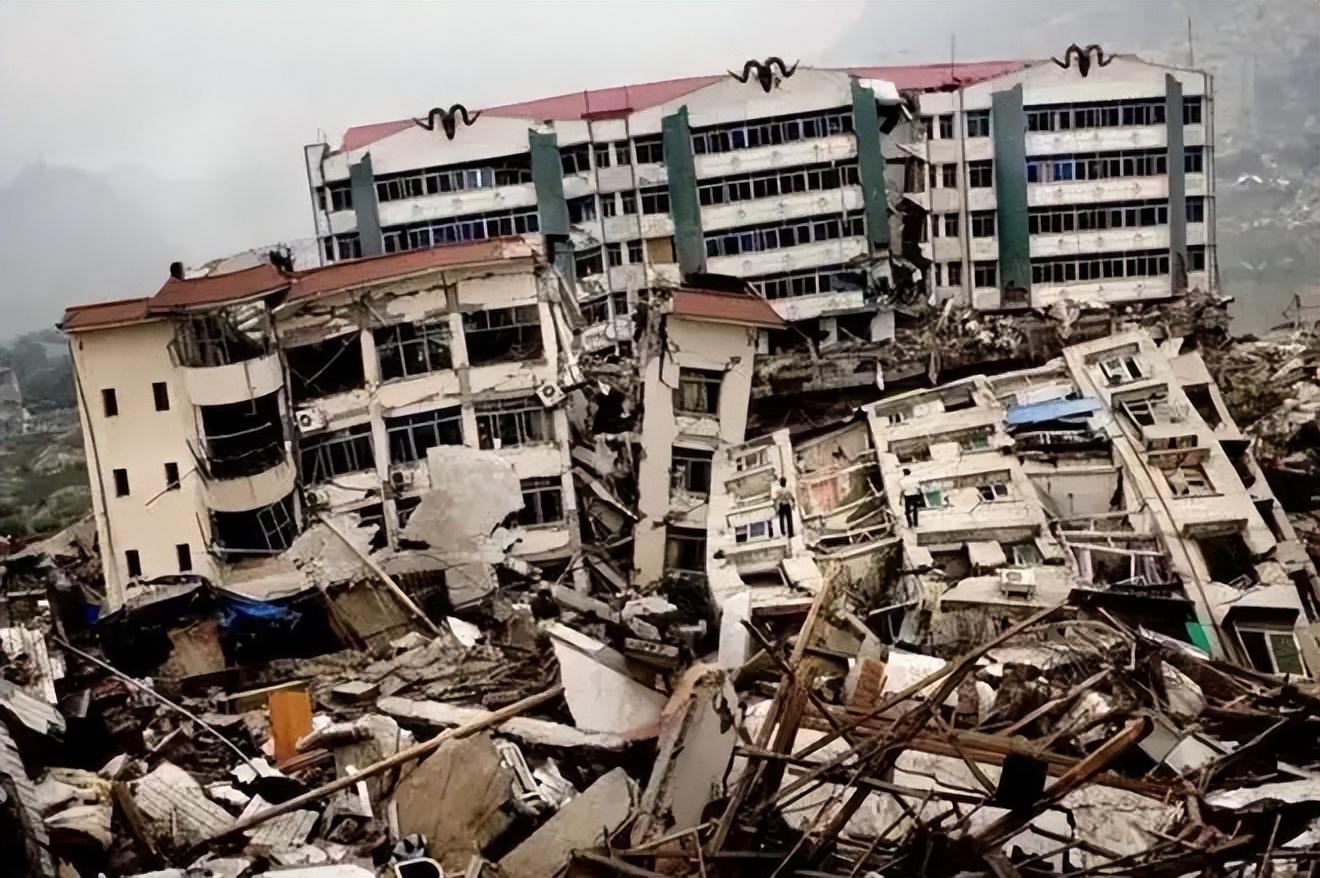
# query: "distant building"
13 416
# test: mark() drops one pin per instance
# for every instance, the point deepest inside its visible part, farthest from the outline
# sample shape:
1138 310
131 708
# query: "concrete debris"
601 693
583 823
170 797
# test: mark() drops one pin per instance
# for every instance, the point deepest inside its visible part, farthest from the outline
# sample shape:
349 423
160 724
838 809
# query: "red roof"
631 98
722 307
343 275
209 290
99 314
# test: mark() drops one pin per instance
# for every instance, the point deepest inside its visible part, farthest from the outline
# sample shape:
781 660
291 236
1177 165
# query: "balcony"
244 463
228 356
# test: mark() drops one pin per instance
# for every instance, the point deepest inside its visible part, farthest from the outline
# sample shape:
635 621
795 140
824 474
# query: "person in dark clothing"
784 506
911 502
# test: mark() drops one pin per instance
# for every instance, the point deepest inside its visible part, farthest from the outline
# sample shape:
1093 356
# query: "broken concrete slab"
456 799
528 730
172 798
285 832
83 822
583 823
601 694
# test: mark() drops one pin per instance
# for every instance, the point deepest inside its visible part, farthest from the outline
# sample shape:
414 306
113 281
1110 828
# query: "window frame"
706 384
528 421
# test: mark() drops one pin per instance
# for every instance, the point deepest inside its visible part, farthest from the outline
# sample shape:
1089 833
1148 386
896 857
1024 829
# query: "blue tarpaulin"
1050 410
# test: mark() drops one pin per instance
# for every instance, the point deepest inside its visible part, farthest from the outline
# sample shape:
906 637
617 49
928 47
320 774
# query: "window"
1145 412
1121 369
411 435
575 159
769 184
409 349
698 391
655 199
932 498
650 150
1271 650
509 422
756 239
985 274
978 123
939 274
1192 111
627 203
753 531
337 196
1189 480
622 155
543 502
602 152
110 402
323 456
160 392
588 262
1194 160
946 126
951 225
928 124
121 482
326 367
1196 209
949 176
582 210
980 175
635 251
1066 269
691 470
503 335
1022 554
685 550
1196 258
451 230
954 273
754 459
609 205
184 554
171 477
993 491
134 563
767 132
614 254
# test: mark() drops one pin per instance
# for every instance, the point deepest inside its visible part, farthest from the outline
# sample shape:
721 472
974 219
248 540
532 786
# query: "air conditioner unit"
310 419
550 394
1017 582
318 498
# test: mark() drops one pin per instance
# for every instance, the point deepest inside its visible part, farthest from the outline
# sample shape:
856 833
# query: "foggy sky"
188 119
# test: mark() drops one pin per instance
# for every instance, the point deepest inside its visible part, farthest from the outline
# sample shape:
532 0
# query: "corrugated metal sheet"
34 713
279 833
13 772
171 796
1050 410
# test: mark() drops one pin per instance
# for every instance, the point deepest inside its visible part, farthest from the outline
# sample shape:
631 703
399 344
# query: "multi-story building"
224 413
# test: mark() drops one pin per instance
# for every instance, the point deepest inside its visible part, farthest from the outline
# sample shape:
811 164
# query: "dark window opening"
243 438
217 339
411 435
110 402
171 477
685 551
121 482
325 368
543 502
691 470
511 422
409 349
161 394
980 175
575 159
1227 559
184 554
340 452
1204 404
134 562
503 335
698 391
265 531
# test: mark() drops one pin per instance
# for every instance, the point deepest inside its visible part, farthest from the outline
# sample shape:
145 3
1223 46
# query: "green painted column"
871 163
683 204
1008 121
548 178
1173 121
362 183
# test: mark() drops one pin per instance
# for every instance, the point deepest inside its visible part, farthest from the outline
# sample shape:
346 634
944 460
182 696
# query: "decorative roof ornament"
448 119
765 74
1083 58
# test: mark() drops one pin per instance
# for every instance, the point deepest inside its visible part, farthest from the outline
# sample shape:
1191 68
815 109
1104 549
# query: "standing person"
784 506
911 501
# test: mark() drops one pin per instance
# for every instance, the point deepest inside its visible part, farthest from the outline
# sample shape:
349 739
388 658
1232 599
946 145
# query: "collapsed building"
804 471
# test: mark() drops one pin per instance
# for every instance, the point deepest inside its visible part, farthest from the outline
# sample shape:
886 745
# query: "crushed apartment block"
608 503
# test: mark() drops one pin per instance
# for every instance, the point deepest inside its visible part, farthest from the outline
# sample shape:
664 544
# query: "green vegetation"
44 370
43 483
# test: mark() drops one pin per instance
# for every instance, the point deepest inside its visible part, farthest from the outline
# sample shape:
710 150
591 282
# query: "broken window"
325 368
752 460
698 391
265 531
655 199
1023 554
980 175
411 435
1145 412
543 502
503 335
509 422
338 452
1189 480
1122 369
575 159
588 262
404 508
985 274
983 224
160 393
685 550
650 150
753 531
691 470
581 210
243 438
134 563
808 282
928 127
992 491
1271 650
933 498
1228 559
110 402
627 203
121 482
409 349
978 123
171 477
660 251
1204 404
183 552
